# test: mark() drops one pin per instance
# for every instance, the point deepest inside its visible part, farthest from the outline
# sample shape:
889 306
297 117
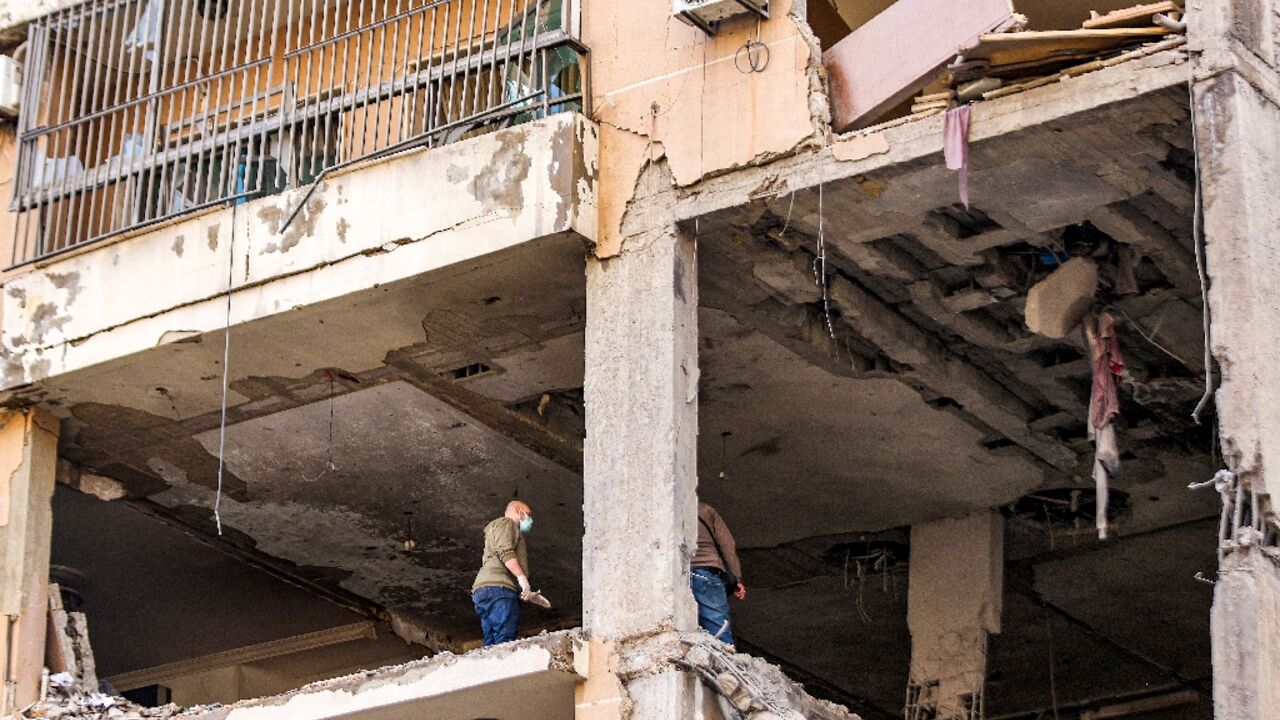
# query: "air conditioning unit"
10 86
707 14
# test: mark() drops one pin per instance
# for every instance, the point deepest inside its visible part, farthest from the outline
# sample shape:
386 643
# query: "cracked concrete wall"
1237 104
663 89
1236 96
1246 605
362 228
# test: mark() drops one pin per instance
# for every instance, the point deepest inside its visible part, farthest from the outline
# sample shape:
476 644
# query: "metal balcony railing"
135 112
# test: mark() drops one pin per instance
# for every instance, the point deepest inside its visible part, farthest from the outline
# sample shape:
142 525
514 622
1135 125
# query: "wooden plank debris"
1008 52
1138 16
896 54
874 70
1169 44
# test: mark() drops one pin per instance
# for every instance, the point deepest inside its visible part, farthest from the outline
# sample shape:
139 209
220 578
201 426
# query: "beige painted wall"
28 458
662 89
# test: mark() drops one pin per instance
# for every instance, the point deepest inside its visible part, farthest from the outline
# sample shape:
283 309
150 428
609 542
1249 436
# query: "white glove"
536 598
525 587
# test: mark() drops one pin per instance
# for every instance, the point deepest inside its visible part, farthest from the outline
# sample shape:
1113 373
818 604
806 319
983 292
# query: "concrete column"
639 467
954 600
1236 101
1246 636
28 465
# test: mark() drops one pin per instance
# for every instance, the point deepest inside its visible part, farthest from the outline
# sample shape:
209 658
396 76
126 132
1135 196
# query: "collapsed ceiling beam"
1127 225
944 372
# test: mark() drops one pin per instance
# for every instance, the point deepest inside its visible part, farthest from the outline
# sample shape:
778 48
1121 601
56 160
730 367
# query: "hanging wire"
755 52
1197 236
226 374
329 465
820 262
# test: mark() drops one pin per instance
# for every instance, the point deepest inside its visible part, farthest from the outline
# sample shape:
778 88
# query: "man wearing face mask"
503 580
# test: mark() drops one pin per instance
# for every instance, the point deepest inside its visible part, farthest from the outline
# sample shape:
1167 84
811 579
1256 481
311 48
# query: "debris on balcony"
65 699
988 54
756 689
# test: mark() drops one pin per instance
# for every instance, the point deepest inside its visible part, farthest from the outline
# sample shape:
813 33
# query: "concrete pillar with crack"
1236 109
640 476
28 466
954 602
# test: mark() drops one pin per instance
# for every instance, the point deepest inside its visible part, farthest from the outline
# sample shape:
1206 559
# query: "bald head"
517 510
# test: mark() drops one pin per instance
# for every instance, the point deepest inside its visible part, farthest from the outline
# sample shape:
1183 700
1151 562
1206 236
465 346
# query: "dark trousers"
713 602
499 611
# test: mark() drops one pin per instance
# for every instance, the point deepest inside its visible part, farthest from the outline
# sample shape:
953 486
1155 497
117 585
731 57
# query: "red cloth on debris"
955 146
1107 364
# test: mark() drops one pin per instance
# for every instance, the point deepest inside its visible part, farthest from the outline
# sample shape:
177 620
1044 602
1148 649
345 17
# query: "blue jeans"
499 611
713 602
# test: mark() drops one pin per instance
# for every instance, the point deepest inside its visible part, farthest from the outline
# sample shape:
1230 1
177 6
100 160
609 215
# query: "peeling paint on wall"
70 282
303 225
501 179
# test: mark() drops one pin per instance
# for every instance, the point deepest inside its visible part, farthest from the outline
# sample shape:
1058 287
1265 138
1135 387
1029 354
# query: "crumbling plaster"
663 89
361 228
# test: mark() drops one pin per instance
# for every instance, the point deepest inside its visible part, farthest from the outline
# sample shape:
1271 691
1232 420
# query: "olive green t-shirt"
502 541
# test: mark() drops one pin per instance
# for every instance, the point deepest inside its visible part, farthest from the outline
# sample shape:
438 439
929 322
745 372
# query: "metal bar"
362 83
345 102
74 108
364 28
95 205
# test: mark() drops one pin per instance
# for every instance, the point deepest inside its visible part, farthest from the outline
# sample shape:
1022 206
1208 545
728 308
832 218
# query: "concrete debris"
68 653
67 699
753 687
1057 304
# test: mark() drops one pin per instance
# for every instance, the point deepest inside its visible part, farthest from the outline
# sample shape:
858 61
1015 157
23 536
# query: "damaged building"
962 315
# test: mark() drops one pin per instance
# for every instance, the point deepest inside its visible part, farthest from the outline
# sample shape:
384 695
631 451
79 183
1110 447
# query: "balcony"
139 112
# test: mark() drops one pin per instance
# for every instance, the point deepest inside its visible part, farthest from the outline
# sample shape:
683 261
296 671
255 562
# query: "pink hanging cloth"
955 146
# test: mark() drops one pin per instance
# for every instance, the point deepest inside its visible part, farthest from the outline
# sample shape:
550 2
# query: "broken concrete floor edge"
811 166
436 675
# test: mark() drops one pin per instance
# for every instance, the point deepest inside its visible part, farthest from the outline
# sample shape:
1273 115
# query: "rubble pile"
756 689
66 699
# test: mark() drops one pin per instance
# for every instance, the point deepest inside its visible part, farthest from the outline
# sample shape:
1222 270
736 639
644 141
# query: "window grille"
135 112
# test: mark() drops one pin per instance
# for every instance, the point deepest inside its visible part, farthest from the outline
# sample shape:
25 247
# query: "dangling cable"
226 373
1197 236
820 262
